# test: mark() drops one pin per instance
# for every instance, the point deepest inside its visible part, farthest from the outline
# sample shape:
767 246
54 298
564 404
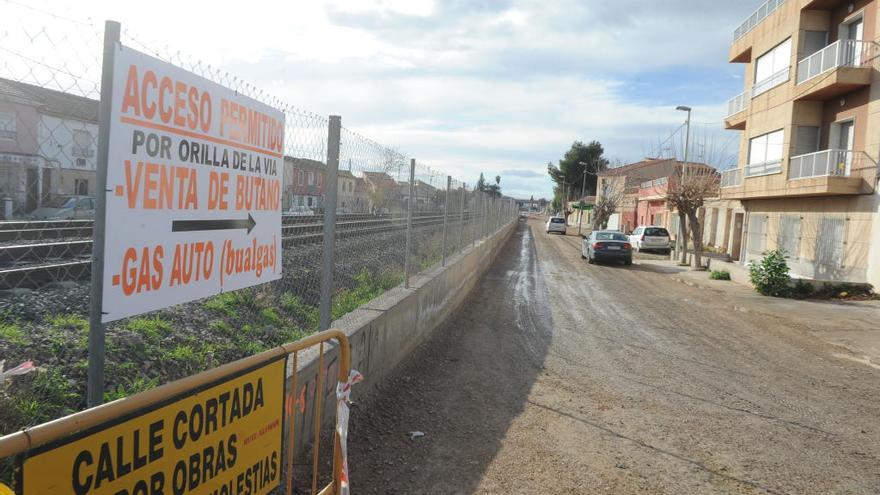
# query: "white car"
650 237
299 211
556 224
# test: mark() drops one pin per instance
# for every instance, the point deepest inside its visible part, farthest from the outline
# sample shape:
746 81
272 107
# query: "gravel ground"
558 376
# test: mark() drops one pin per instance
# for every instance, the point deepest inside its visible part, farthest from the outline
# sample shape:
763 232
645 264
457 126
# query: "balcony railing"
79 152
823 163
757 16
654 183
771 82
841 53
766 168
737 104
731 178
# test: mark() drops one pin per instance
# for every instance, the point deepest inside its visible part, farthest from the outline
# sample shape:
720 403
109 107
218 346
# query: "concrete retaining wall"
387 329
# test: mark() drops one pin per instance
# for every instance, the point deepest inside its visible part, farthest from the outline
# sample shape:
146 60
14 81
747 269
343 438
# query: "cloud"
494 86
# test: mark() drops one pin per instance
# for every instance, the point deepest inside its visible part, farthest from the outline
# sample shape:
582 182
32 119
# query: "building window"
7 126
772 68
789 240
81 187
829 246
757 234
310 179
765 154
82 144
299 177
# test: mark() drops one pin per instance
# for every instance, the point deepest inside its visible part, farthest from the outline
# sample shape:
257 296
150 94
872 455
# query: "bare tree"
686 191
610 195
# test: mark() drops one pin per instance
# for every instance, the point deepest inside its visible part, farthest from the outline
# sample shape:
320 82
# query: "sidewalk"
854 326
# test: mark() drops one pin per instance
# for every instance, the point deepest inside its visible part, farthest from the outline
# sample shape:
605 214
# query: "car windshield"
60 202
557 220
656 232
610 236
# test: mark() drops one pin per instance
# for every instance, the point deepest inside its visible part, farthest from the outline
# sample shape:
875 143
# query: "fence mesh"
50 72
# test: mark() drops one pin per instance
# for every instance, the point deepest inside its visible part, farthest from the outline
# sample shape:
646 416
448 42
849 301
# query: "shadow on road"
462 389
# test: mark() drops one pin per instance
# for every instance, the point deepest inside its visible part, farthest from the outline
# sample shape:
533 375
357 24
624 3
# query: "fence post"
407 264
333 144
474 220
446 216
95 385
461 216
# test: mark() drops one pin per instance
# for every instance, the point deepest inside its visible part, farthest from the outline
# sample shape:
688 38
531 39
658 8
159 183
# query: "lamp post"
687 134
681 241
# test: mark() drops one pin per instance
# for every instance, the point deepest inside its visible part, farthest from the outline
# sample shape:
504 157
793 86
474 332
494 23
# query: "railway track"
67 254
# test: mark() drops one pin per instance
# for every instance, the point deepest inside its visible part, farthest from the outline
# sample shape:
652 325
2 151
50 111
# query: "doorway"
736 240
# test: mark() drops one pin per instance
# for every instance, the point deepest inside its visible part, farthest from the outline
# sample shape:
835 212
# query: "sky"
469 86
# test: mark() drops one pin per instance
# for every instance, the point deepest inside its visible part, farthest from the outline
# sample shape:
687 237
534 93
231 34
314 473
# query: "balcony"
653 189
766 168
823 173
757 16
736 118
835 70
80 152
771 82
741 49
837 163
731 178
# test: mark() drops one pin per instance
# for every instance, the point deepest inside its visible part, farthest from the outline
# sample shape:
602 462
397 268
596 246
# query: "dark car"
607 245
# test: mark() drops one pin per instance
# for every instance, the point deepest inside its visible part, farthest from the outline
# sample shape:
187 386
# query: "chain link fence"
392 221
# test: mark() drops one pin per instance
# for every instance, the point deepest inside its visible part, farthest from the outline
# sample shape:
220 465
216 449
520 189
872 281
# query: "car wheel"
591 260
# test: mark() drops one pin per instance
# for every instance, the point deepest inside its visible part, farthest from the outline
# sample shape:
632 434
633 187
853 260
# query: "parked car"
607 245
648 237
556 224
66 208
300 211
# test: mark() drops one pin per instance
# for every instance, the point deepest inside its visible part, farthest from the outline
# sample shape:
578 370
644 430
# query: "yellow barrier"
189 436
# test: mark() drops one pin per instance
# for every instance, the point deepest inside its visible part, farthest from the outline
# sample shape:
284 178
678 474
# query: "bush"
720 275
803 289
770 275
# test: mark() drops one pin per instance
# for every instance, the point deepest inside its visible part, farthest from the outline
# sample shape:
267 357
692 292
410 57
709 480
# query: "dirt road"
563 377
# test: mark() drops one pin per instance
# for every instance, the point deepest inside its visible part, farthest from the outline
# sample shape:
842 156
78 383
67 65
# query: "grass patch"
301 312
12 333
719 275
271 317
131 387
150 328
368 286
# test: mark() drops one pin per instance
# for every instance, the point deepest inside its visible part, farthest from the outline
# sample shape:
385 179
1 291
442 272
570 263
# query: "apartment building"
48 142
810 121
304 182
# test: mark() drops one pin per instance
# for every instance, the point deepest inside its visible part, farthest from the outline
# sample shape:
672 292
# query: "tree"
568 174
608 199
493 190
686 191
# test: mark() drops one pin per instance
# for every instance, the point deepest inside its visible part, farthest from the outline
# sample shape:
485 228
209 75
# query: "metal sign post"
95 387
333 143
407 266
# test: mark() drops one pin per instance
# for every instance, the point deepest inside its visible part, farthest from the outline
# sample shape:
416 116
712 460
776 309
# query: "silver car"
556 224
66 208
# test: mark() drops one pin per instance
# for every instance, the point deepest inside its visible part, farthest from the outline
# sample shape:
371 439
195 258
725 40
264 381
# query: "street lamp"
687 135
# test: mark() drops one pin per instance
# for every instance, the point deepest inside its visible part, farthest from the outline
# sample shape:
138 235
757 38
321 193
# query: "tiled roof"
50 101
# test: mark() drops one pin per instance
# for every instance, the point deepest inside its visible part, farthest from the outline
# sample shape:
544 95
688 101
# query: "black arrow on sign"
197 225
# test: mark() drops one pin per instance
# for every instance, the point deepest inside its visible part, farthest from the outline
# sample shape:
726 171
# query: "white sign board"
193 188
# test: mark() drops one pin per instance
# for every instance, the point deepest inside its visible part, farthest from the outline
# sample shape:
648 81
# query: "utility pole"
681 241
